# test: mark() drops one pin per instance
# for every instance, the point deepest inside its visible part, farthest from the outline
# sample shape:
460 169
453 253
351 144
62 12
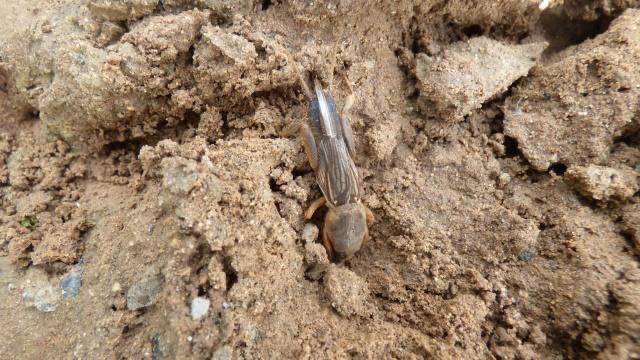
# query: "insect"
328 142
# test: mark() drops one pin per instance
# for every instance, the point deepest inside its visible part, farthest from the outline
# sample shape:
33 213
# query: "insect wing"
337 174
347 134
326 113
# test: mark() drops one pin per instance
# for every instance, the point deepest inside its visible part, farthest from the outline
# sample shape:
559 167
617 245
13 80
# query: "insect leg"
309 144
326 241
344 119
315 205
348 136
349 101
305 87
371 218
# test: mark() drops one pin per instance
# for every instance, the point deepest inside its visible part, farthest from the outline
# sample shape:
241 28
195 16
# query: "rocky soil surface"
152 186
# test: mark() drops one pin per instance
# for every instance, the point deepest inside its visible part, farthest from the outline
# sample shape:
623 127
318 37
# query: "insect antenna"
301 79
333 62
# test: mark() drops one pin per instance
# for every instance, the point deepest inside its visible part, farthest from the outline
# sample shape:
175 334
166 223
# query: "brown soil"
152 189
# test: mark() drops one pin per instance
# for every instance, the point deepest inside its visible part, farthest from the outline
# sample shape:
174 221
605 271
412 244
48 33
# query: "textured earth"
152 186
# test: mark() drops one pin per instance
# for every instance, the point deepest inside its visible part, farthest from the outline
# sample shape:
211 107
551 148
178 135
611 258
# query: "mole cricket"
328 143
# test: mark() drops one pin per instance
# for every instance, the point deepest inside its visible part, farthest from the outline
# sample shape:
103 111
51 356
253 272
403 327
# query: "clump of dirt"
346 292
603 183
546 109
122 10
591 10
42 223
436 23
491 67
152 75
153 190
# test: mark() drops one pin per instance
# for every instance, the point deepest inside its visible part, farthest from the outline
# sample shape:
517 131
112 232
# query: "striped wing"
337 175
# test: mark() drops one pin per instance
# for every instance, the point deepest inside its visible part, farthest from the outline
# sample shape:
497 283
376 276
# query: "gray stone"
179 175
38 291
145 292
71 283
158 348
44 298
310 233
526 255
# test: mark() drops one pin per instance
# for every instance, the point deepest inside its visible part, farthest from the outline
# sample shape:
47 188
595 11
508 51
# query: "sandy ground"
152 187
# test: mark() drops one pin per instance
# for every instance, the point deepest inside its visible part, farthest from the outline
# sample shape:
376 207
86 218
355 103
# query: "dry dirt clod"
466 74
118 10
346 291
631 225
179 174
604 183
384 137
315 255
594 87
592 10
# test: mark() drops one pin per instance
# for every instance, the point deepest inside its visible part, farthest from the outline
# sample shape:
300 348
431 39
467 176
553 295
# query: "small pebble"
544 4
45 298
223 353
71 283
179 175
199 307
504 179
158 350
526 255
145 292
310 233
116 287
